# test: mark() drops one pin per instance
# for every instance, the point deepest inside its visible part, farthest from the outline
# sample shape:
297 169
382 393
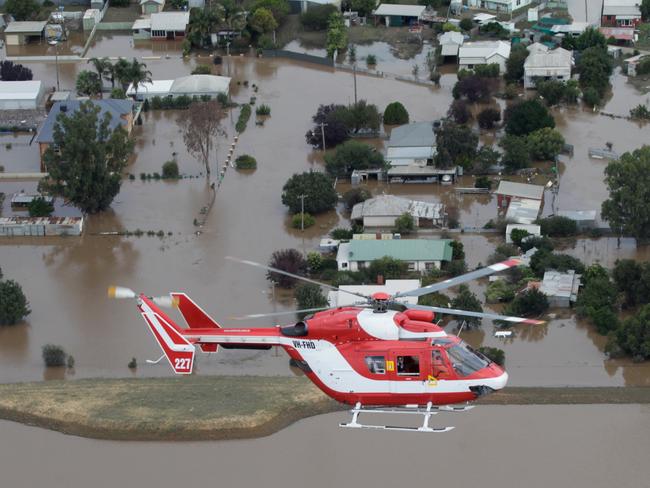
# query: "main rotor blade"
276 314
482 315
298 277
472 275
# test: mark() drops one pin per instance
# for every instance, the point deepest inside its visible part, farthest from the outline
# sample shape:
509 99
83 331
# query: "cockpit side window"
464 360
408 365
376 364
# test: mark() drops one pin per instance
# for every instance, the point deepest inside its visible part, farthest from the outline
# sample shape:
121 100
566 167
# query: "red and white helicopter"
377 355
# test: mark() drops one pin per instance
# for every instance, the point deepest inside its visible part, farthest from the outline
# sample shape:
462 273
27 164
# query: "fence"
308 58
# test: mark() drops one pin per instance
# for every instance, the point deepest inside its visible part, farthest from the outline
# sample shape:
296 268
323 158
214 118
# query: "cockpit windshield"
465 360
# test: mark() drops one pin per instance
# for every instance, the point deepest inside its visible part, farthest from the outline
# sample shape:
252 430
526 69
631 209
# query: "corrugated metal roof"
413 135
484 49
400 10
158 87
561 285
208 84
20 90
26 27
402 249
523 190
523 210
115 107
557 58
392 206
450 49
451 37
170 21
420 152
622 7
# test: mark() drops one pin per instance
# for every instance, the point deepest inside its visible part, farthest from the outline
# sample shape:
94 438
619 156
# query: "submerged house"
420 254
383 210
544 64
471 54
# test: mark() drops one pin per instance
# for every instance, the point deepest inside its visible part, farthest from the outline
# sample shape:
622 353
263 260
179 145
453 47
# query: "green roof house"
420 254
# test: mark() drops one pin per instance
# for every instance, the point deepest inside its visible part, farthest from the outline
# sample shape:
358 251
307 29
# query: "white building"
383 210
450 43
419 254
344 297
499 5
547 65
192 85
25 95
162 25
523 210
471 54
412 144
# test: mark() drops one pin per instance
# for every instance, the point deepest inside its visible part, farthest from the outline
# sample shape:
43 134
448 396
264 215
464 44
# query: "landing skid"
427 413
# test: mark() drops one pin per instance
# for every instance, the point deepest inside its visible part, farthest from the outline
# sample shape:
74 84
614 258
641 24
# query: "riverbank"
218 407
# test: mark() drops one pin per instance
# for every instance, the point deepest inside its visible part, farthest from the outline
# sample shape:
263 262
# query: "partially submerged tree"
525 117
289 260
317 188
201 126
88 83
22 9
466 300
353 155
395 114
87 167
10 71
13 303
628 207
456 145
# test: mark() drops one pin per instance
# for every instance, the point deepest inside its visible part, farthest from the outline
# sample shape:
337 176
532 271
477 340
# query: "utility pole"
586 16
302 212
354 72
322 131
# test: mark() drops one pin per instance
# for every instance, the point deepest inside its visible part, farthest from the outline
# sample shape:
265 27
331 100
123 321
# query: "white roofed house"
547 65
381 212
398 15
450 43
471 54
169 25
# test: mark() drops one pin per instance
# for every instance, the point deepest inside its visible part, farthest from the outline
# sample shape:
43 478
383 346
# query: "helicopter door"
407 371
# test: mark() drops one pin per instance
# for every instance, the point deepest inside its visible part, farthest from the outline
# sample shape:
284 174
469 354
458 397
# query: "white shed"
16 95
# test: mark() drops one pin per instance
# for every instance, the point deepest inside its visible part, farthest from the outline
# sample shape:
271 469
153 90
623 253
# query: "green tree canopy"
352 155
262 21
88 83
308 296
395 114
279 8
22 9
545 143
318 188
13 303
515 63
628 207
531 303
595 67
405 223
525 117
389 268
516 154
466 300
87 169
633 335
558 226
457 145
337 35
289 260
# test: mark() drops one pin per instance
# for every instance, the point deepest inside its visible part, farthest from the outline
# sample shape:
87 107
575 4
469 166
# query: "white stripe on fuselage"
333 369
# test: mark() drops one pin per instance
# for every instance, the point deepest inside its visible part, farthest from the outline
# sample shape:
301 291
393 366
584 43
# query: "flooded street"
65 279
593 446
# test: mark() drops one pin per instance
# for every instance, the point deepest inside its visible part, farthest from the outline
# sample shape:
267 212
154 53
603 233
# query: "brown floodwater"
593 446
65 279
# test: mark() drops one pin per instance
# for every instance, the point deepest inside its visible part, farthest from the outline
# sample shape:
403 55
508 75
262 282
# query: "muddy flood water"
593 446
65 279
